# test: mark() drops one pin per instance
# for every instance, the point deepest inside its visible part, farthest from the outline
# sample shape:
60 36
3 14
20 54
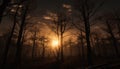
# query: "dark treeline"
87 36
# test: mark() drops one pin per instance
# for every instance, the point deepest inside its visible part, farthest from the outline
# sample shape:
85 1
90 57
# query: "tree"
117 18
34 29
59 26
112 36
19 47
5 4
87 9
43 40
81 47
110 23
34 43
15 16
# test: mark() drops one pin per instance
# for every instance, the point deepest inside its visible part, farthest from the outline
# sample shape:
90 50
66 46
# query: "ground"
75 63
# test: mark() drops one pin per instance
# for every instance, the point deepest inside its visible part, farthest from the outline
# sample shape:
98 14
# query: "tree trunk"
87 30
61 43
104 53
9 41
43 52
85 16
113 38
93 45
71 52
19 47
7 45
98 46
83 56
61 40
34 44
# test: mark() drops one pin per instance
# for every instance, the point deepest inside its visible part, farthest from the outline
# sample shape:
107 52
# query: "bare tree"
117 18
110 23
113 38
15 16
34 43
87 9
43 41
60 26
19 47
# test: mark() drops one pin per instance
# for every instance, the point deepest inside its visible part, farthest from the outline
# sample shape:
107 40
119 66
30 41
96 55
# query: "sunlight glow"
46 17
66 6
55 43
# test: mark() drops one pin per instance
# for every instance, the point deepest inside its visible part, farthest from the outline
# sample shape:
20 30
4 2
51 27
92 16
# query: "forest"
59 34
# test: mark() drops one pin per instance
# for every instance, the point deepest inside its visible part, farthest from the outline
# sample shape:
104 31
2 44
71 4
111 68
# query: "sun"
55 43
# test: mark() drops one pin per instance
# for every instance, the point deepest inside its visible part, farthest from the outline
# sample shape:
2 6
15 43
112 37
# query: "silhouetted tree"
19 47
34 44
117 18
15 16
113 38
109 20
87 9
43 42
9 41
60 25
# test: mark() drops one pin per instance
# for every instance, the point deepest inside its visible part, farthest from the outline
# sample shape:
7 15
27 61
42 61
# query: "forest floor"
111 63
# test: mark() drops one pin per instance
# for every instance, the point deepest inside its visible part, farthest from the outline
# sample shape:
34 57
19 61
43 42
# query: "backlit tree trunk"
9 40
34 44
19 47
